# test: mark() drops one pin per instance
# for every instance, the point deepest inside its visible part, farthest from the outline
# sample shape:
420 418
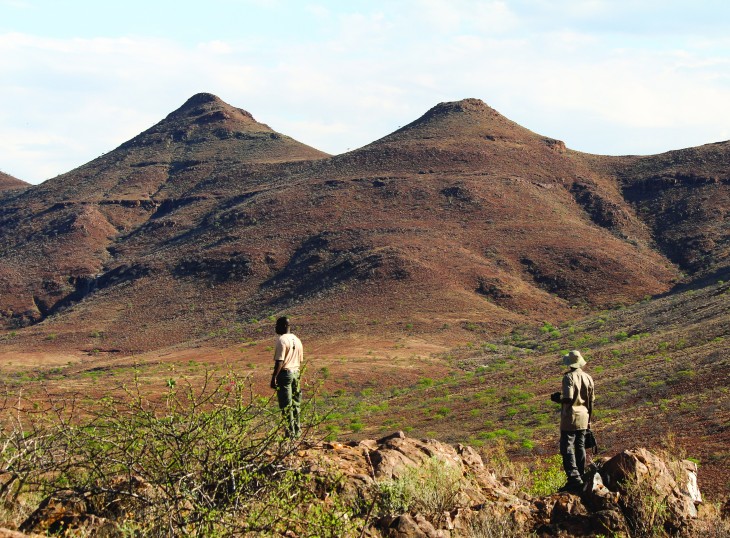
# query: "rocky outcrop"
640 476
466 496
610 502
95 514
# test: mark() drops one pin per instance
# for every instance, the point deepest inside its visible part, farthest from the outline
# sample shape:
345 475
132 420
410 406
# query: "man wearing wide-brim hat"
576 399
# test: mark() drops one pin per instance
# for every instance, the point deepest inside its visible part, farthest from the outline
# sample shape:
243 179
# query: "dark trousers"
573 450
289 394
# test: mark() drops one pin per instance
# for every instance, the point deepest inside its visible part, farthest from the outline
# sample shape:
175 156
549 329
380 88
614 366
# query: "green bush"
425 382
431 489
213 461
547 476
517 395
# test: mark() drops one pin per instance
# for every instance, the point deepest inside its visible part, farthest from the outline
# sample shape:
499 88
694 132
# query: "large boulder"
645 481
407 526
92 513
363 464
361 467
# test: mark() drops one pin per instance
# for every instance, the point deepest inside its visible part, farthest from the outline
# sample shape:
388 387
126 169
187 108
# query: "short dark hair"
282 325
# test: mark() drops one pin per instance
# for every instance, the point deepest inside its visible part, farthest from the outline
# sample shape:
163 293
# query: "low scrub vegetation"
206 461
432 489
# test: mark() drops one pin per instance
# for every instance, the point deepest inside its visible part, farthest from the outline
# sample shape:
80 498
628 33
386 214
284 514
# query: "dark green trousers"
289 394
573 450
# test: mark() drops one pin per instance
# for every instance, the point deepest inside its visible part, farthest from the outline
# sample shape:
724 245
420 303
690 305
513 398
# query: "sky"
612 77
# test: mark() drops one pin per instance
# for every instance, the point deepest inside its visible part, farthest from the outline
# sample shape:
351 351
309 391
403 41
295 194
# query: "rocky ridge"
365 471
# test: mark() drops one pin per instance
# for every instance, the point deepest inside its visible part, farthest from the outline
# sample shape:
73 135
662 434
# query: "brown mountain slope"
202 137
209 219
661 371
683 197
54 237
9 182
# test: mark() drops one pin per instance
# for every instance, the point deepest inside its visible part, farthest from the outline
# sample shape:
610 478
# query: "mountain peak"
461 122
471 110
201 99
469 105
202 117
201 138
203 108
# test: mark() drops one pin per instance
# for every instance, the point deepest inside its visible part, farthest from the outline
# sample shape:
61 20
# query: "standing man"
285 379
576 400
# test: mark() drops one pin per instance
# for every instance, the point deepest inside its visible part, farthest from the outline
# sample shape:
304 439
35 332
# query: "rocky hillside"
683 197
210 219
8 182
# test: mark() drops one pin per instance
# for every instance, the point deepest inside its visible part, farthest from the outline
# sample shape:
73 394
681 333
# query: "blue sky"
611 77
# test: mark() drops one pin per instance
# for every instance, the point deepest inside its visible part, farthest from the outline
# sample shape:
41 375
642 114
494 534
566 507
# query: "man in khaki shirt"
288 357
576 407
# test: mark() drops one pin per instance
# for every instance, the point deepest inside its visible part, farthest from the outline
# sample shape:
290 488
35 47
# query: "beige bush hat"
574 359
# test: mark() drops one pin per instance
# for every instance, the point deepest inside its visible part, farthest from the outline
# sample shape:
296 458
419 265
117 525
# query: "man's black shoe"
573 486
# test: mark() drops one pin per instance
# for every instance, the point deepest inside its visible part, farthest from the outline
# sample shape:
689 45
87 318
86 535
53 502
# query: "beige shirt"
578 387
289 349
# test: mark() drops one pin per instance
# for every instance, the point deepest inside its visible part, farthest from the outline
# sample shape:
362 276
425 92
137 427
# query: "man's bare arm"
278 365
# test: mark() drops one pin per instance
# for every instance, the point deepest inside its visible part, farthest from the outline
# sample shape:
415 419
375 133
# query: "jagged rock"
570 514
644 469
609 522
596 495
561 514
7 533
458 519
407 526
599 508
364 463
56 513
688 485
95 514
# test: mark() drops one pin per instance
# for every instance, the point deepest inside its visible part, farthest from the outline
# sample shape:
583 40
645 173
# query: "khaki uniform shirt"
578 387
289 349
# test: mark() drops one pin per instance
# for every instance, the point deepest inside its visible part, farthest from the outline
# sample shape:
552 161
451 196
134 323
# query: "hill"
8 182
210 219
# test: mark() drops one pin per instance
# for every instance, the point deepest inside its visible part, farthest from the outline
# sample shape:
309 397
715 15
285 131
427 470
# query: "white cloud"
319 11
365 72
215 47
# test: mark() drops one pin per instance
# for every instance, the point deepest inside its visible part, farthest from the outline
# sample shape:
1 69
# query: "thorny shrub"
206 460
542 476
431 489
488 524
